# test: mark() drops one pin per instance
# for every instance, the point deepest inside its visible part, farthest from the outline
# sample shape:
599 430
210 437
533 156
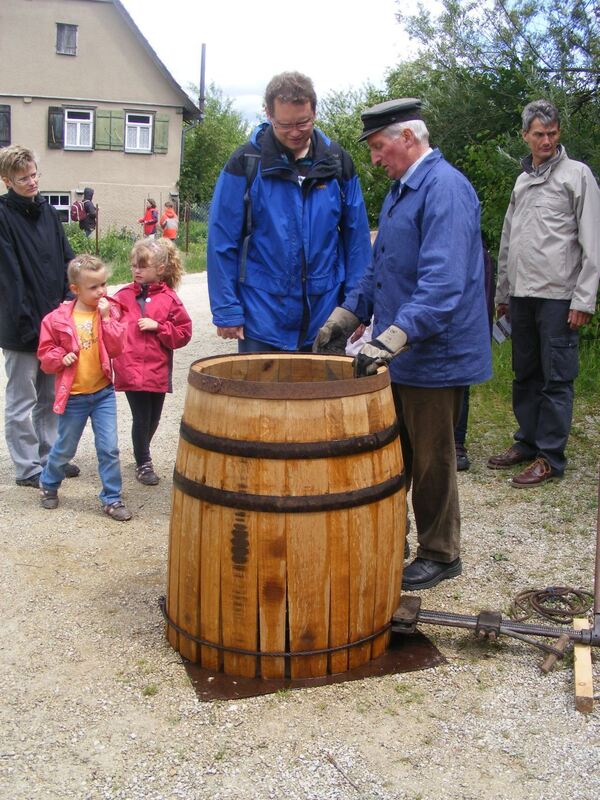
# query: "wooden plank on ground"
584 689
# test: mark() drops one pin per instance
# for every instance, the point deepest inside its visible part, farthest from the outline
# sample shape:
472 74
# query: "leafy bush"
115 246
198 232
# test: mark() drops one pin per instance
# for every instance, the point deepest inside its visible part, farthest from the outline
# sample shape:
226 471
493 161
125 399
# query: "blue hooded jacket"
427 277
309 246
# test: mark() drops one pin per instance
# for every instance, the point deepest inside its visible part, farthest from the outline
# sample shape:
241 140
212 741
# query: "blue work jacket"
427 277
309 242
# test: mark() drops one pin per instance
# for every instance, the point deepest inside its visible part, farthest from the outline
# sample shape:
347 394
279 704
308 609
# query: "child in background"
77 341
157 324
169 221
150 218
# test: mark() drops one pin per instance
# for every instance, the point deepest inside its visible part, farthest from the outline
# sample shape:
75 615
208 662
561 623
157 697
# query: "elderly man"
288 234
548 269
425 287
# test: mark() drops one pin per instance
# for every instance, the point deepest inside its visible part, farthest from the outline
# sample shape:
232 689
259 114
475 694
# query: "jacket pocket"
564 358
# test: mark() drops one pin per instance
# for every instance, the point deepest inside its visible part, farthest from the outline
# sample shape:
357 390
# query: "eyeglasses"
34 176
301 125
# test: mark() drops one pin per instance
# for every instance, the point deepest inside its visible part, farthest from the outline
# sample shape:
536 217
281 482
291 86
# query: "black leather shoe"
33 481
462 459
424 573
71 470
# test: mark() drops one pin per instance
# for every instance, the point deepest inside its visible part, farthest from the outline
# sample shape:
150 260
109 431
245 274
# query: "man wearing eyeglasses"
34 253
288 233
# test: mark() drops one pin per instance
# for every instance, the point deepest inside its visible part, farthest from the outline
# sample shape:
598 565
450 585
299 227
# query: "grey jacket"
550 246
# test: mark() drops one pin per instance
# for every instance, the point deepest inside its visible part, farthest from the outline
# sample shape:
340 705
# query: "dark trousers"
460 431
426 419
545 362
146 409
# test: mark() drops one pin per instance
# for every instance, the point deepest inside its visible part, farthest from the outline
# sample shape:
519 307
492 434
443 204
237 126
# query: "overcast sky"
340 44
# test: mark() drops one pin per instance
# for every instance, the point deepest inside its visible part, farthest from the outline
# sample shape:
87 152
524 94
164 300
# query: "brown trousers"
426 418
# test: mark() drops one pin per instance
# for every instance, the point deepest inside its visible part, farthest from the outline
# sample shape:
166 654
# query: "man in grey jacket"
548 270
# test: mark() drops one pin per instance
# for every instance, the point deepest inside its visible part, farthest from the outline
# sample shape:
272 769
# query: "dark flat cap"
380 116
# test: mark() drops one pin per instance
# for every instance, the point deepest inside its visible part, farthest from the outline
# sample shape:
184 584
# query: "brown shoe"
117 511
509 458
538 472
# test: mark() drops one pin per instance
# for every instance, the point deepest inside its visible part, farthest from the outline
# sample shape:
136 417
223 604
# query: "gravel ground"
95 704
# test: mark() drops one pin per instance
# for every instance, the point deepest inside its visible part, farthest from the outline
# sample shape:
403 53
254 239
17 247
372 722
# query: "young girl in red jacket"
150 218
157 324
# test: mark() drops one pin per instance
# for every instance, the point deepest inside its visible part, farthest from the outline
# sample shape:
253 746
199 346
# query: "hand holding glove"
379 351
332 337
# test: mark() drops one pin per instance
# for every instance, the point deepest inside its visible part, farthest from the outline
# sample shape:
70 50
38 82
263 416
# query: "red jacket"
58 337
147 363
169 222
150 220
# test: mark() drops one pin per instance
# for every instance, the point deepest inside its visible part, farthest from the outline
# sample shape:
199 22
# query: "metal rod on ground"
492 624
507 626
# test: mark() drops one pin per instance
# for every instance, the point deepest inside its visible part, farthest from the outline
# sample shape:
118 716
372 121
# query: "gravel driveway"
95 703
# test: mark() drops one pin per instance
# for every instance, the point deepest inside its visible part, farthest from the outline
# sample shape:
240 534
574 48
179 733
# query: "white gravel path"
95 704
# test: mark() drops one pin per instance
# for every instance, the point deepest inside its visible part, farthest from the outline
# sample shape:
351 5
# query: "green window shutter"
161 133
56 127
117 130
109 129
4 126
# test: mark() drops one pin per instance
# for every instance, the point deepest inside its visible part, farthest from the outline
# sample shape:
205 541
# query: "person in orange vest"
169 221
150 218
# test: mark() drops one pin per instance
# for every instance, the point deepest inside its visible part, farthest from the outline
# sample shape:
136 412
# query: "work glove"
379 351
332 337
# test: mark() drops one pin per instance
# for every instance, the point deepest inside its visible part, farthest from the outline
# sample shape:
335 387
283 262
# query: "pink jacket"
146 365
59 337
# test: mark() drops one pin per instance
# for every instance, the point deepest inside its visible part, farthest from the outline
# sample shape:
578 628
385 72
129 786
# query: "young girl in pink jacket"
157 324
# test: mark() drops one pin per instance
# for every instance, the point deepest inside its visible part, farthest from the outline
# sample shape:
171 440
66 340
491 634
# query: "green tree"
208 145
481 63
504 53
339 118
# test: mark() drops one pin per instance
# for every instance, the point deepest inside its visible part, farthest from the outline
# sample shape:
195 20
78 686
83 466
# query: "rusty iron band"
284 390
162 604
292 504
286 450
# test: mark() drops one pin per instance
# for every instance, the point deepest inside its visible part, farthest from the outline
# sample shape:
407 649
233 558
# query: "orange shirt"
89 376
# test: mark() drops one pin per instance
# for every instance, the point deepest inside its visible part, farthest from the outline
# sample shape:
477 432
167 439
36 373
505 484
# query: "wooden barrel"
288 516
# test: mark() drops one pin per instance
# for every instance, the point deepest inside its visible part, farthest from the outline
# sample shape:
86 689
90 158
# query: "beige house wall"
114 69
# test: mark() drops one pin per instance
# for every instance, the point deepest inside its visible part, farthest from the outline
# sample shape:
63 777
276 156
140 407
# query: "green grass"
115 246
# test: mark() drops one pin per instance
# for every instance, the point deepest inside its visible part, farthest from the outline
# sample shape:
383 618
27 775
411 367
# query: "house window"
79 129
61 202
66 39
138 133
4 125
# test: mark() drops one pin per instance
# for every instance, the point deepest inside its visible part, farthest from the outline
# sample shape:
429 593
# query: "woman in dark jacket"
34 253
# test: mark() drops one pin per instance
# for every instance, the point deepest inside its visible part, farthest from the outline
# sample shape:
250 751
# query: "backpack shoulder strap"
251 164
338 156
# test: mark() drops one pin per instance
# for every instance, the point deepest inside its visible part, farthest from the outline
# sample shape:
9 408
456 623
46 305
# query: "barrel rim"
285 390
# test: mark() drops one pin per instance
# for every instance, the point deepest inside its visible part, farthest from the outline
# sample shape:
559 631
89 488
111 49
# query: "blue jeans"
101 408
